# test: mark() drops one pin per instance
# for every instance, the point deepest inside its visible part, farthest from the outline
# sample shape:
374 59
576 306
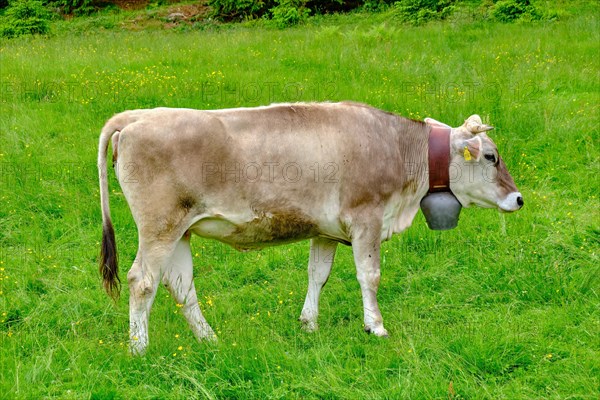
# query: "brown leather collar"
439 159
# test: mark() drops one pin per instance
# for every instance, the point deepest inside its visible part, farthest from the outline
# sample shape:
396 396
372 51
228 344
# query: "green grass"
503 307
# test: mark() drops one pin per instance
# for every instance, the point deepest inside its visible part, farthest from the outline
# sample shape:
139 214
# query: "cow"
254 177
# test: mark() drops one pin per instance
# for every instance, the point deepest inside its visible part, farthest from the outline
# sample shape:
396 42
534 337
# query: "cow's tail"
109 269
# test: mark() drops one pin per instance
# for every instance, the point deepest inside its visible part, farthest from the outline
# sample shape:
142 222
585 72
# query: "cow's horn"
474 125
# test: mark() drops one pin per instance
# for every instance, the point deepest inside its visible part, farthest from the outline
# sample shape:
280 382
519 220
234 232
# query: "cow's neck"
403 205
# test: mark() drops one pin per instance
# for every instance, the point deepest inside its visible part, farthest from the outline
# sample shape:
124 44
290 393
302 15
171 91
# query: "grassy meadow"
503 307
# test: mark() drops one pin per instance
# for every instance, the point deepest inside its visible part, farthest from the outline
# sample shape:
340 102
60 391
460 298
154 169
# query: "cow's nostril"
520 201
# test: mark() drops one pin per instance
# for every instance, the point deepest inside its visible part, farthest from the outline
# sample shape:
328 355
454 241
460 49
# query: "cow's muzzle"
512 202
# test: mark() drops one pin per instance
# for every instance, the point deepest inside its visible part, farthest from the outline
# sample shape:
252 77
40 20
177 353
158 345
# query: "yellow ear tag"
467 154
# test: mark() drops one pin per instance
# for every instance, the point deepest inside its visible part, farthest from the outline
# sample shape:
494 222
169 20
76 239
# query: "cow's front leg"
322 253
366 248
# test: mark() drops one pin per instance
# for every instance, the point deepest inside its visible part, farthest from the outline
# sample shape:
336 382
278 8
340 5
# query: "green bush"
289 12
376 5
232 10
340 6
285 12
418 12
24 17
73 6
514 10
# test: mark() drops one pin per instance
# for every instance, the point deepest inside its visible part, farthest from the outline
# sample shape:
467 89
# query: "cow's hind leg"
143 279
322 252
179 280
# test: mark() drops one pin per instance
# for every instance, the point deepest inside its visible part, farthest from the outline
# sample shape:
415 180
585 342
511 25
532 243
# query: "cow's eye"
490 157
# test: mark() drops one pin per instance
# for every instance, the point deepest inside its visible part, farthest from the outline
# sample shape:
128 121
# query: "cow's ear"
472 149
433 122
474 125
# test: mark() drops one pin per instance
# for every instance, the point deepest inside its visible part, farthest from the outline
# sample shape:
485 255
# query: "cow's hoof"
309 326
136 349
379 331
209 339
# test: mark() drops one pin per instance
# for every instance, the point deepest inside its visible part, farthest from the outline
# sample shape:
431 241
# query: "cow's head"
478 174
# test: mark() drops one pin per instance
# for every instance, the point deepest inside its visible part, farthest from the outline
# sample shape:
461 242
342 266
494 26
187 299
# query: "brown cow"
254 177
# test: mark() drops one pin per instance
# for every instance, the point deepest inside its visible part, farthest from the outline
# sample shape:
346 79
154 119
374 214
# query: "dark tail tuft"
109 268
